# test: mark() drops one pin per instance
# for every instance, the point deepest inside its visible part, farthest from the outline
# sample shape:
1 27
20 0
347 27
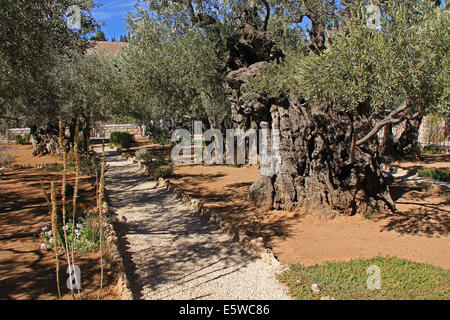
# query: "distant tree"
100 36
124 38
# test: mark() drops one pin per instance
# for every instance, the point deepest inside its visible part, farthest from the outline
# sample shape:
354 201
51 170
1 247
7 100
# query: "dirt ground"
418 231
26 271
23 156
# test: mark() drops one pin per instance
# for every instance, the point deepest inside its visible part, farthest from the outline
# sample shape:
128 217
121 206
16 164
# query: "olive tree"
333 104
34 40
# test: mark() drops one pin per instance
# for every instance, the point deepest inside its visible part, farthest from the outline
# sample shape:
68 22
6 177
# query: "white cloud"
113 9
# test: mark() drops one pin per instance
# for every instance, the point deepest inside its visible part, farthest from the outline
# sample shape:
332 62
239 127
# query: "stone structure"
104 130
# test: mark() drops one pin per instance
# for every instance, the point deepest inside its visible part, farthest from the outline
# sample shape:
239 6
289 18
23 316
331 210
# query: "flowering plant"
83 232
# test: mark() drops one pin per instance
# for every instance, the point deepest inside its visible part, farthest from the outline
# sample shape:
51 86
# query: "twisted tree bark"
319 172
44 140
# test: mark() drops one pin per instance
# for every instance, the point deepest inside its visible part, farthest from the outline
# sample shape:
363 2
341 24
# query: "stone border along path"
170 253
411 176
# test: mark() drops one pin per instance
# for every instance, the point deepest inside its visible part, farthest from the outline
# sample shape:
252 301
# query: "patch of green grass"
59 167
400 279
434 151
436 174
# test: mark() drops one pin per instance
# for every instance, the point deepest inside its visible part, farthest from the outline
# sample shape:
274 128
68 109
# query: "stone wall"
17 131
104 130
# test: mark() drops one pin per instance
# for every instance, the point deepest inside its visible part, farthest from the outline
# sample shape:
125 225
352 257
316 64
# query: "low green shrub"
434 151
26 138
142 154
90 165
58 167
400 279
121 138
19 139
163 172
436 174
162 140
159 169
446 196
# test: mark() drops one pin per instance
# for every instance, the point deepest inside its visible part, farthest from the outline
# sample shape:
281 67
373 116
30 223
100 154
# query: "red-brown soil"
418 231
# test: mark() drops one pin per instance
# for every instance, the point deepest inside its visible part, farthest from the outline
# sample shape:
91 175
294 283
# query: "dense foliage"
405 57
34 42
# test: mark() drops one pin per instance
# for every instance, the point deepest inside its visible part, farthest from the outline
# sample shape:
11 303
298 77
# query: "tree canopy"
35 40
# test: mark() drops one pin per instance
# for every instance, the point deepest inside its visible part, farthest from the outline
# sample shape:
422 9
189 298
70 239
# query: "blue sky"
113 13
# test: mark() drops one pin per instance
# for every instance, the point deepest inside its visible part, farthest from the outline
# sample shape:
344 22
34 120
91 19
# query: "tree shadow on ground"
183 248
231 203
428 220
418 215
27 272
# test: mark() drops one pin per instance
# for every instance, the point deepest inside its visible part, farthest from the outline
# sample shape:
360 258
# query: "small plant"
165 171
446 196
90 164
159 169
22 140
436 174
59 167
162 140
426 186
7 156
434 151
142 154
83 233
121 138
400 279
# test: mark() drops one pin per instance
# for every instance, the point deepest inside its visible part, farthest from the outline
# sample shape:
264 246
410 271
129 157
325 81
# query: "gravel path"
170 253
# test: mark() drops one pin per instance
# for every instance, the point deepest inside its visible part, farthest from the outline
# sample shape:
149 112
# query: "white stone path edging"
171 252
256 246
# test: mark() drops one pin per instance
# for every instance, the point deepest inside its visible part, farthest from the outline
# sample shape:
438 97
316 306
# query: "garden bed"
27 271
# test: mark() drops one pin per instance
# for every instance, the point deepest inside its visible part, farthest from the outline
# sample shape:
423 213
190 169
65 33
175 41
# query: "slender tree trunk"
72 138
86 133
401 142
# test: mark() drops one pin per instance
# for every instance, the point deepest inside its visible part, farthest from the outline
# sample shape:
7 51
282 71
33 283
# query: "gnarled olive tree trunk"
44 140
318 173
